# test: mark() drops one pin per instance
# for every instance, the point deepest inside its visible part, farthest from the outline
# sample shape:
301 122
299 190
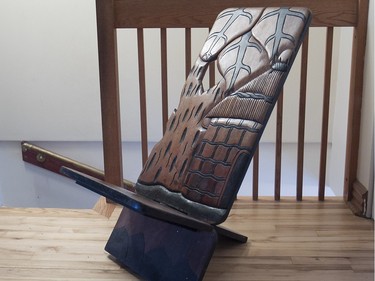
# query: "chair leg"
158 250
223 231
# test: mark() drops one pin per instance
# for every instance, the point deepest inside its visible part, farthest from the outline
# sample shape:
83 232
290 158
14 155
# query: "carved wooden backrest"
200 162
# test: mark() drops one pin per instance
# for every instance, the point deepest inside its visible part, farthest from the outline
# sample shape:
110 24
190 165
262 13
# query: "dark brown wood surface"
278 149
301 118
213 133
164 76
53 162
325 118
136 202
256 174
187 13
109 92
142 93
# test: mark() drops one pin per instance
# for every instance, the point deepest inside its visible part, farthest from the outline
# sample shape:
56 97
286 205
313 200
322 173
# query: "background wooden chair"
329 17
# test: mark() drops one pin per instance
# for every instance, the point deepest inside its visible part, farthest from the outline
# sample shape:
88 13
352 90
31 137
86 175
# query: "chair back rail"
185 13
189 14
302 118
325 117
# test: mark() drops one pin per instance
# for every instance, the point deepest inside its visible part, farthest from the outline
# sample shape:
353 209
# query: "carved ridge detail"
212 135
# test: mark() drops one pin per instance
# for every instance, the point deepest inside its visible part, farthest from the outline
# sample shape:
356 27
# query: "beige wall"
366 154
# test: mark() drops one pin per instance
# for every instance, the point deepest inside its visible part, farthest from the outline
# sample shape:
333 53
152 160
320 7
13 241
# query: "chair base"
159 250
155 241
227 233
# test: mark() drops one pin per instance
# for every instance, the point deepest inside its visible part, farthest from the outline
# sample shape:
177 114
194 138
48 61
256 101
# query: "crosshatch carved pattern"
212 135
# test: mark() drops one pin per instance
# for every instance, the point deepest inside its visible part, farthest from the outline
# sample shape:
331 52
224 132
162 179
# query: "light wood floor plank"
288 241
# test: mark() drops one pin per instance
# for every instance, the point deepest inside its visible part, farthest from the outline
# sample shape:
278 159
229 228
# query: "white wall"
25 185
341 75
366 148
49 70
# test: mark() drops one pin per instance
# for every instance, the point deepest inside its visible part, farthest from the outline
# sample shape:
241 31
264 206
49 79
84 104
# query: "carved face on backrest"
200 162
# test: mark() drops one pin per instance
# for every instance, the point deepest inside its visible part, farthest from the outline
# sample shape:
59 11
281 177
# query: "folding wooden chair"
168 227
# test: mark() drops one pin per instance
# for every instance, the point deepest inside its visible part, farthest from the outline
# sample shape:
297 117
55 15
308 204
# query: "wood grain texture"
256 174
213 133
288 240
53 162
278 148
302 118
325 117
142 93
164 76
109 94
185 13
187 51
358 203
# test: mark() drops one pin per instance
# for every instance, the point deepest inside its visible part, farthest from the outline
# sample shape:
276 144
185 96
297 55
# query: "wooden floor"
287 241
